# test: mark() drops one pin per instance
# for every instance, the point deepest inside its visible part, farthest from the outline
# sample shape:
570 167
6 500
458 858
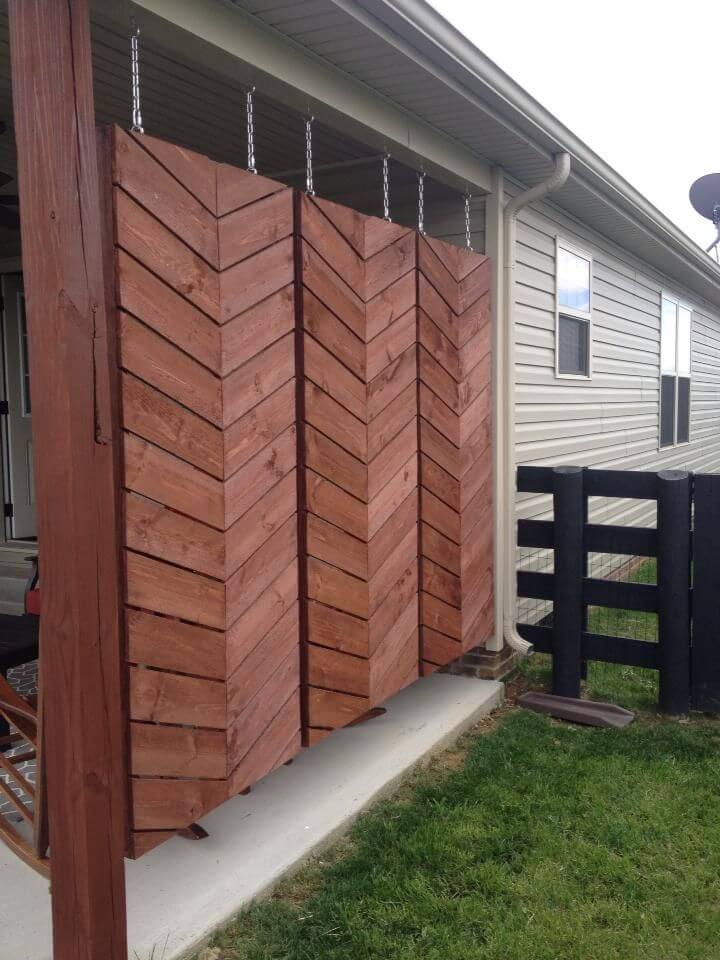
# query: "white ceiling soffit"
233 42
407 53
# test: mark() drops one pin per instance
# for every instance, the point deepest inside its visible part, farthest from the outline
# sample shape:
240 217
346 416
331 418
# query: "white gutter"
506 585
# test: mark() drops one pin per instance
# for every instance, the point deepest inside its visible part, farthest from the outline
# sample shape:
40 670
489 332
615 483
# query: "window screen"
683 410
573 346
667 411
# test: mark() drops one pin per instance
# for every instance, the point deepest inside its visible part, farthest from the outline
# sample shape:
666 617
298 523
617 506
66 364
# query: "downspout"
505 509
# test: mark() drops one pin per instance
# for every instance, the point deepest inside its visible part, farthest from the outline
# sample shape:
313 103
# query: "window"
675 324
573 300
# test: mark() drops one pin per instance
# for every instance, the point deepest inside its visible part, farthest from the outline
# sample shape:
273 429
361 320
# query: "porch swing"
28 838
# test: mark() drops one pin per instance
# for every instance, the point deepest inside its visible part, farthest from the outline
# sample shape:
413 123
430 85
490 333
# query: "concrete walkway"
181 892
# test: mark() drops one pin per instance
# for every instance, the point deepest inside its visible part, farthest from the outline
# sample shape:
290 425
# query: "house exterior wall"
612 419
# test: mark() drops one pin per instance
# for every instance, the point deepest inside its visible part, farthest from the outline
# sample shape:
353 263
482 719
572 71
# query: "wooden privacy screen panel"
360 451
456 460
275 346
204 257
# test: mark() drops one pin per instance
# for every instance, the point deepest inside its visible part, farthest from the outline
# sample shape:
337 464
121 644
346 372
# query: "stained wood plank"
169 644
403 519
255 278
162 477
333 292
154 529
331 586
163 253
257 328
146 297
255 576
173 804
391 420
161 751
338 630
335 422
259 475
194 171
335 670
387 266
328 459
332 545
328 708
143 178
403 594
257 379
155 417
279 742
333 334
176 699
236 188
388 306
331 245
388 345
249 629
323 369
266 516
253 227
151 358
162 588
392 495
252 724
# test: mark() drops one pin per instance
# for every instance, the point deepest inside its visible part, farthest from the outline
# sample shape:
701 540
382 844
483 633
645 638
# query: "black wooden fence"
686 597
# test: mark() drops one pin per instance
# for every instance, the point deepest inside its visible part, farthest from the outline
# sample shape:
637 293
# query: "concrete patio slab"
181 892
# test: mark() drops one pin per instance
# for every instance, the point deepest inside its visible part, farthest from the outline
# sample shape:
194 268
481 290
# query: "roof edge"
422 19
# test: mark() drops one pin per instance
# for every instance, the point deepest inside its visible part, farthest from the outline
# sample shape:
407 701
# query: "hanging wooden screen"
456 530
360 451
278 351
205 270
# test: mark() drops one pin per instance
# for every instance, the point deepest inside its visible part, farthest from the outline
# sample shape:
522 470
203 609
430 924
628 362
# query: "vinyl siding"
612 419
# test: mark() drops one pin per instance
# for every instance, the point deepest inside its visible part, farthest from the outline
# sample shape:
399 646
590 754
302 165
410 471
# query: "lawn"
533 840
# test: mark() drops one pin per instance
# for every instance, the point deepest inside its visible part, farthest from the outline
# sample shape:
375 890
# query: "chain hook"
251 166
386 187
137 122
309 183
421 202
468 234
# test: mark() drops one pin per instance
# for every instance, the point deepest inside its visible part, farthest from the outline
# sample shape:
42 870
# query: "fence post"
673 586
705 654
568 502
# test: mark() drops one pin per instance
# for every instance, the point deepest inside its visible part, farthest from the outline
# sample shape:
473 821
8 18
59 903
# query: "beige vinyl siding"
612 419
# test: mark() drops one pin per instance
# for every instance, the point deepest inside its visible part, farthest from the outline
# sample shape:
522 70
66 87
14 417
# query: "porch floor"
181 892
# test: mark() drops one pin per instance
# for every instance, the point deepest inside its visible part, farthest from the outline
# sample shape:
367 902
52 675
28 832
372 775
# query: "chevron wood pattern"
456 546
205 273
360 461
305 407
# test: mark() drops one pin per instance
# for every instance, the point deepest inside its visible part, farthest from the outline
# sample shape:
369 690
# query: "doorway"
19 513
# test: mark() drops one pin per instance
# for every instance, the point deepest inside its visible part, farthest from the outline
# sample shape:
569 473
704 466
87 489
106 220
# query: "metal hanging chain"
252 168
386 187
309 184
468 235
421 202
137 123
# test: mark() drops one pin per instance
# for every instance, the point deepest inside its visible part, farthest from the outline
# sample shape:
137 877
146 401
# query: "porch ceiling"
185 102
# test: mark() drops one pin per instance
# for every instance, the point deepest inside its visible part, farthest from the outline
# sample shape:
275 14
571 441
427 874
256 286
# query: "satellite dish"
705 196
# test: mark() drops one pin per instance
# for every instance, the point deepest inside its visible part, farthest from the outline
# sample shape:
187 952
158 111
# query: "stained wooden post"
75 472
569 508
706 595
673 584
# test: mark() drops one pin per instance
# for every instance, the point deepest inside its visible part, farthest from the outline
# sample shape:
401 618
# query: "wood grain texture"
308 470
63 186
360 459
456 454
204 271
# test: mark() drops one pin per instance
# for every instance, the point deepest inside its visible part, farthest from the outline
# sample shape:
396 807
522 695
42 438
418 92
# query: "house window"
675 324
574 310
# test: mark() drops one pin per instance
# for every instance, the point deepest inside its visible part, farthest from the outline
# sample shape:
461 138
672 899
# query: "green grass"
534 840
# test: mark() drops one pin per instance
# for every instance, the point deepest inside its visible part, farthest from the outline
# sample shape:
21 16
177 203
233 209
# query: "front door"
18 454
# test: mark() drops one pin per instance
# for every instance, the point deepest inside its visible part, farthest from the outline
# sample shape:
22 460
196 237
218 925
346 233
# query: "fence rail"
687 652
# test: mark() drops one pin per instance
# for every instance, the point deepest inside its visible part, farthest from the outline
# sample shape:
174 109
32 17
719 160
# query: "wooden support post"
76 473
706 595
569 510
673 584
